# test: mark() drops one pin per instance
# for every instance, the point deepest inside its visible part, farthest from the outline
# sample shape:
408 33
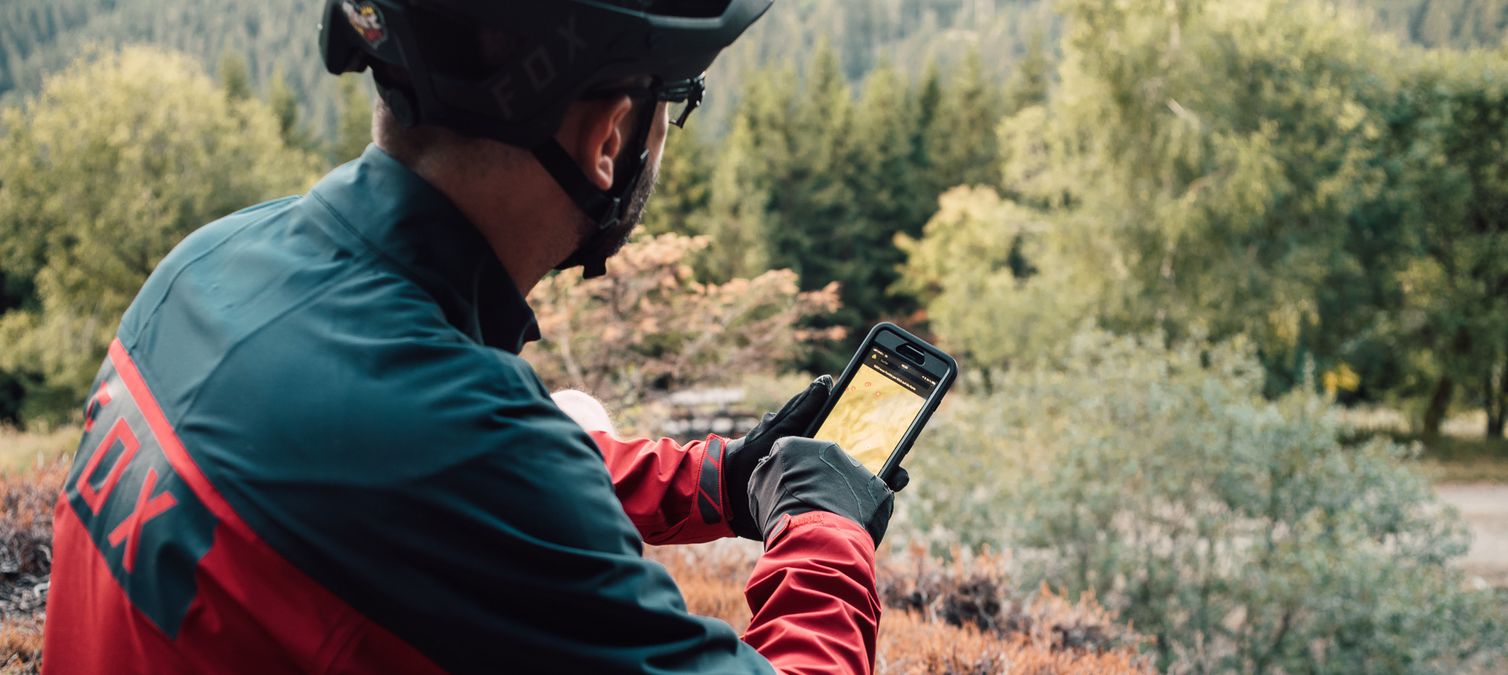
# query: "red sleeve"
673 493
816 609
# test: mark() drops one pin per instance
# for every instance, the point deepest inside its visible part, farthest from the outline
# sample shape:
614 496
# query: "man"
313 446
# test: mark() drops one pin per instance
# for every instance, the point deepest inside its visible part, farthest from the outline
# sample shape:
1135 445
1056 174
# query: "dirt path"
1485 510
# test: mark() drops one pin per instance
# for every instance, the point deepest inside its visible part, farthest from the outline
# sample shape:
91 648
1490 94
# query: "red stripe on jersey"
254 612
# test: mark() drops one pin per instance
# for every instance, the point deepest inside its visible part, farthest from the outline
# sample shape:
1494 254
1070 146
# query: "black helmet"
557 52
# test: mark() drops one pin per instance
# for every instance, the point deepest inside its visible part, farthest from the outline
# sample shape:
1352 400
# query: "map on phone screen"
875 410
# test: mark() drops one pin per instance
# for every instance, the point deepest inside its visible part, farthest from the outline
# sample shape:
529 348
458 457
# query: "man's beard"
603 244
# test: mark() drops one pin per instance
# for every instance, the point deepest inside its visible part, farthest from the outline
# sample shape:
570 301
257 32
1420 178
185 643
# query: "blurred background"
1228 280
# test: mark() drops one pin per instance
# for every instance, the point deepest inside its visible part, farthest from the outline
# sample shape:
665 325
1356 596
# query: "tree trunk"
1497 399
1439 404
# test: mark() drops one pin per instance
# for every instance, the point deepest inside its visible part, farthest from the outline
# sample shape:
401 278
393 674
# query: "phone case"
878 335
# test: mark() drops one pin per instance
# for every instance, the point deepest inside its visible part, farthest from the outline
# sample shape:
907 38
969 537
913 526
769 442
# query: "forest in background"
913 98
278 38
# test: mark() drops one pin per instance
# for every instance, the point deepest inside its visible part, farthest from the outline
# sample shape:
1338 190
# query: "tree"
736 219
975 268
641 332
1029 82
284 103
100 175
1456 283
960 149
354 130
234 76
1217 168
684 188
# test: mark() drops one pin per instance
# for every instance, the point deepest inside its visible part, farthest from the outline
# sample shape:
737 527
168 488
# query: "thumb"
900 480
798 413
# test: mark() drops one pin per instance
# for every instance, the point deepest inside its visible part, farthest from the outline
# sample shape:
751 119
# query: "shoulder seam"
168 290
370 246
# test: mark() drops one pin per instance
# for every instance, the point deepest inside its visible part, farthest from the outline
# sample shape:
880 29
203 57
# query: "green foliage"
1455 282
234 77
100 175
1237 531
1266 169
957 153
986 302
736 213
683 190
354 131
820 177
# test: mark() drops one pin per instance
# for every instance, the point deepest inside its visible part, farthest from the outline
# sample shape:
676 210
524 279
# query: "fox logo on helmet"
367 21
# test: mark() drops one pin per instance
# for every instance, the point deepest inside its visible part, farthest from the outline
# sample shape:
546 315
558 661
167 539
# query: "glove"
801 475
795 419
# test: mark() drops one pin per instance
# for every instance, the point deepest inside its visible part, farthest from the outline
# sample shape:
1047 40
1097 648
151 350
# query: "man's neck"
515 206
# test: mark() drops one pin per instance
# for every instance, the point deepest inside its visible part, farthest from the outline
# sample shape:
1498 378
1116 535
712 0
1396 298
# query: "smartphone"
884 398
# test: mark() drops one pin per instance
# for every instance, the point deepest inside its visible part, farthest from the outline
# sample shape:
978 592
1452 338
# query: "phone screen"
873 413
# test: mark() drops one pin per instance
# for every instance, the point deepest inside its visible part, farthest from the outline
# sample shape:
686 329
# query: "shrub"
649 327
1239 533
960 618
26 503
101 174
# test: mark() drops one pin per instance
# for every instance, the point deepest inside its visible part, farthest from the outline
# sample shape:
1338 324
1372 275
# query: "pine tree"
235 77
355 129
737 219
1031 78
684 187
960 135
284 103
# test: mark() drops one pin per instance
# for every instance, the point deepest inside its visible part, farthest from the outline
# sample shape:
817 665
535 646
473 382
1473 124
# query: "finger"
901 479
801 410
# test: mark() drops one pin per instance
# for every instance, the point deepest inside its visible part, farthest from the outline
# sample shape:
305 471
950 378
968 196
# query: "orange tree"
650 327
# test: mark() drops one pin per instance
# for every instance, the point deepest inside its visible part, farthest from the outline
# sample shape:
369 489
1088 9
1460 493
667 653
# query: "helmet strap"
603 208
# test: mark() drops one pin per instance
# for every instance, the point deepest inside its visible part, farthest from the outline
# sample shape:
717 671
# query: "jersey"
314 447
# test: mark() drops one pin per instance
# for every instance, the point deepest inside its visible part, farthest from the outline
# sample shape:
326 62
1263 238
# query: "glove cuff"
740 521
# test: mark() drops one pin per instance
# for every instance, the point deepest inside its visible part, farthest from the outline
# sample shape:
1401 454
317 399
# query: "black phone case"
945 382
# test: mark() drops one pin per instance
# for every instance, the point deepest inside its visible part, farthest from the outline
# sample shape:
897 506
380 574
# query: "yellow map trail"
871 417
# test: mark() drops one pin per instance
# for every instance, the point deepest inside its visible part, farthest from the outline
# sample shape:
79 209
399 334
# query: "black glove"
802 475
795 419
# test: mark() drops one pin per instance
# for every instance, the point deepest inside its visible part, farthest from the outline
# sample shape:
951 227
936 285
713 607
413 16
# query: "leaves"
100 176
1238 532
649 327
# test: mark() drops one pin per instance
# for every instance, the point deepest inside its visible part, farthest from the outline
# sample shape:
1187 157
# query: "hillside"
275 37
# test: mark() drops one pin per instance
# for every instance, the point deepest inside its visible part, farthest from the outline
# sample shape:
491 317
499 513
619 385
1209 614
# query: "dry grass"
28 451
957 618
1461 453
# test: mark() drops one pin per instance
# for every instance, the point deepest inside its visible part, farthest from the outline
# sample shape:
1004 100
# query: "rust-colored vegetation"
962 617
26 503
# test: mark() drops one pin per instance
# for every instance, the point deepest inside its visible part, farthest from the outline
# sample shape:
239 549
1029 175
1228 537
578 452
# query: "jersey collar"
412 224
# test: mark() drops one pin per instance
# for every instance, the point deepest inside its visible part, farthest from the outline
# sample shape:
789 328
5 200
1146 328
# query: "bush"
650 327
959 618
1238 532
101 174
26 503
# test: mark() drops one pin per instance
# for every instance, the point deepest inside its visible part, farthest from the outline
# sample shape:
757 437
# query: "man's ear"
596 134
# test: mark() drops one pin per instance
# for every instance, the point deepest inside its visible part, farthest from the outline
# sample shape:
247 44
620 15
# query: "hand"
795 419
802 475
585 410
